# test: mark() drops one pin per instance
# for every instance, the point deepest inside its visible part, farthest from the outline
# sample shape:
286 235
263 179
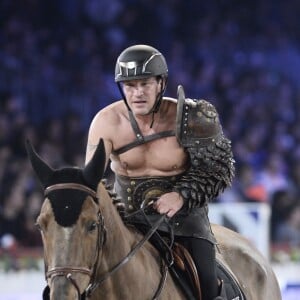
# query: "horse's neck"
120 241
119 238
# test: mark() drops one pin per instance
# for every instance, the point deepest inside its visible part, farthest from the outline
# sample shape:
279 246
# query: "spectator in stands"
56 57
245 187
281 204
288 231
273 176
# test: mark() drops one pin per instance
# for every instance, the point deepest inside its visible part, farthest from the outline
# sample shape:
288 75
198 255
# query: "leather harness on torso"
135 190
140 139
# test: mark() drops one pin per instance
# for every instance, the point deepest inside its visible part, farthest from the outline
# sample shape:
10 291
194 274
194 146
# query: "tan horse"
90 253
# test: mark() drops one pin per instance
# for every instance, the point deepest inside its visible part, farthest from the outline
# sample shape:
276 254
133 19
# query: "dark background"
57 62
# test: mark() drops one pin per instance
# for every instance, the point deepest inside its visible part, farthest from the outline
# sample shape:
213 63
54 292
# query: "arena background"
57 70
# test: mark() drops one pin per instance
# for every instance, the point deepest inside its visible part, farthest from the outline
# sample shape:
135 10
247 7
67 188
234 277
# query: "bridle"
101 239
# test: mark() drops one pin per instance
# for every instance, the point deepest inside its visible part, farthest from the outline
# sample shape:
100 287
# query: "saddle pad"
232 288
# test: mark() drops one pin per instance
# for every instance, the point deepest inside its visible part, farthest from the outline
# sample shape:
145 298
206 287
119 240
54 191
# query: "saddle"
181 264
183 261
185 269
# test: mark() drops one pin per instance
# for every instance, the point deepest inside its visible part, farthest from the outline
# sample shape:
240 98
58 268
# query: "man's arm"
211 167
98 130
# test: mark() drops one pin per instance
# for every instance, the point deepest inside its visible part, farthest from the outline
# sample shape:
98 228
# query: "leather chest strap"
140 139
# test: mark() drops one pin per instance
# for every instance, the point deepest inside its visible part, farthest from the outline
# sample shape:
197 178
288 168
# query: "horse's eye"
92 226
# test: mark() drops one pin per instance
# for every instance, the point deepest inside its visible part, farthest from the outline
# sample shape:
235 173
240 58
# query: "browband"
71 186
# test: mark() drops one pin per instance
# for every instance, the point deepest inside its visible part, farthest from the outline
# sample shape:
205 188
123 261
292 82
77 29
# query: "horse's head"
71 223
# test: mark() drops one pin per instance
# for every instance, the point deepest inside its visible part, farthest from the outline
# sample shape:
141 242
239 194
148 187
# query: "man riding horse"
172 151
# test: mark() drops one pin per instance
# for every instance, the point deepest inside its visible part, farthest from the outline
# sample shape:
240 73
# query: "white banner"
252 220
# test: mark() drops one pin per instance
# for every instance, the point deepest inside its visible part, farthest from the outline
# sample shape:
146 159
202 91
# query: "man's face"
141 94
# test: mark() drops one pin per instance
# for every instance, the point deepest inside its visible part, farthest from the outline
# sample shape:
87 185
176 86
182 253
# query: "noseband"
68 271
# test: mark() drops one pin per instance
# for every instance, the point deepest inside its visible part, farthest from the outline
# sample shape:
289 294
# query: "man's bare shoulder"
104 125
111 114
169 106
170 100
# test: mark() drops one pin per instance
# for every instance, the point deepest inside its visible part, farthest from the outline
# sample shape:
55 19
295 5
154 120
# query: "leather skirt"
137 192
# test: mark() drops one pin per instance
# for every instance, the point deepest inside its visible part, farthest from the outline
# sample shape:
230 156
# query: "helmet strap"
152 121
157 103
123 95
159 97
155 107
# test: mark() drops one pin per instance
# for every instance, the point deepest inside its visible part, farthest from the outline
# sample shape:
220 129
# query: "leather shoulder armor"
211 169
197 122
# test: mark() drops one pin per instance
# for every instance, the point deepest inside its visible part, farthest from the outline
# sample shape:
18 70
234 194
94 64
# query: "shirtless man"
157 150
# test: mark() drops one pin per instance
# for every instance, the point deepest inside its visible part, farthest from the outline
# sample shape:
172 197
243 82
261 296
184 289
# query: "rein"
133 251
67 271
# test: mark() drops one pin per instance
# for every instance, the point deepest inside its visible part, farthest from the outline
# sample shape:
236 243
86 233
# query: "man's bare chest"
161 156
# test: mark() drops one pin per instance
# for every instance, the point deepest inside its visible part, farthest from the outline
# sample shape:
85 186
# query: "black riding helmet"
138 62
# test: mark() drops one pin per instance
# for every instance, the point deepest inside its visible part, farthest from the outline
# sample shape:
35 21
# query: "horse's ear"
40 167
94 170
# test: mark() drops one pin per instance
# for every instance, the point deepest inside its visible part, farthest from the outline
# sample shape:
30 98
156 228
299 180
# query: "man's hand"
169 204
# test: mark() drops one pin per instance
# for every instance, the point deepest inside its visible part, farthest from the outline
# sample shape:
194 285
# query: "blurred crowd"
57 63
